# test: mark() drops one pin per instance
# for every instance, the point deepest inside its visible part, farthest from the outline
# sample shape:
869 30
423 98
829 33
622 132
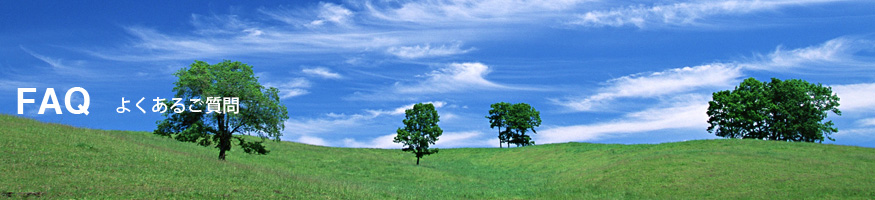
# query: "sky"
627 72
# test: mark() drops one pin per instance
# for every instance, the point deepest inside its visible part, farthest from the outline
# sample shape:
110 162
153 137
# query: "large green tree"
420 130
791 110
259 110
517 119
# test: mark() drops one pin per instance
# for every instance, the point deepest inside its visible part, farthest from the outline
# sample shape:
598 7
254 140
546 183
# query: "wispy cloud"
332 28
402 109
447 78
839 51
680 13
334 122
423 51
687 112
397 28
330 123
332 13
378 27
682 102
151 45
668 82
466 139
62 67
452 78
321 72
319 16
291 88
866 122
55 63
470 12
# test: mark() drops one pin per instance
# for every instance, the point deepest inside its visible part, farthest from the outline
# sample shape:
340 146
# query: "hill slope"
52 160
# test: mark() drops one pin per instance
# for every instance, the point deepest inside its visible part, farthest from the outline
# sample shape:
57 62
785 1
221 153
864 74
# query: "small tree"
420 130
791 110
498 118
521 118
260 110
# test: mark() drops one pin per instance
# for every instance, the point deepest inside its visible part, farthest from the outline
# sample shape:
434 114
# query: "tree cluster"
791 110
516 119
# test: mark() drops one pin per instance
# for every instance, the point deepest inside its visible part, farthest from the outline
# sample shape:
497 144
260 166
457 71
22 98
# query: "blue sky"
599 71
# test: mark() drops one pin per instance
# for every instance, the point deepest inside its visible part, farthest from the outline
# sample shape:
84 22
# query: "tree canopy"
420 130
791 110
498 118
517 119
259 110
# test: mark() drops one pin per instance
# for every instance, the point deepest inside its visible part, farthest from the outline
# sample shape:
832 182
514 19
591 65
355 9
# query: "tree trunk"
221 154
499 137
224 137
417 160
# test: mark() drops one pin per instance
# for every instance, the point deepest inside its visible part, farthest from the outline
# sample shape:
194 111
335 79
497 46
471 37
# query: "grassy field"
58 161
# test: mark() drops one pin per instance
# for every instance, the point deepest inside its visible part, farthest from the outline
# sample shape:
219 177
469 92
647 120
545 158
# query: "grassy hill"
51 160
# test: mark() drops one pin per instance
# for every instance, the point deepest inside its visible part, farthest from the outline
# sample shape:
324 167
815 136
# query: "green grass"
58 161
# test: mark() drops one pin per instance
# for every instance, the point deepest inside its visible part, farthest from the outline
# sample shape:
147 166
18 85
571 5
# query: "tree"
740 113
498 118
259 109
420 130
522 117
791 110
517 119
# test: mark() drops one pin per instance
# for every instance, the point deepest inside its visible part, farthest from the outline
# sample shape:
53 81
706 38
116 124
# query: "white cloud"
152 45
334 28
58 66
333 122
680 83
682 114
451 78
291 88
469 12
323 15
402 109
418 51
332 13
321 72
55 63
313 140
657 84
856 97
858 134
838 51
393 27
465 139
681 13
382 142
866 122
